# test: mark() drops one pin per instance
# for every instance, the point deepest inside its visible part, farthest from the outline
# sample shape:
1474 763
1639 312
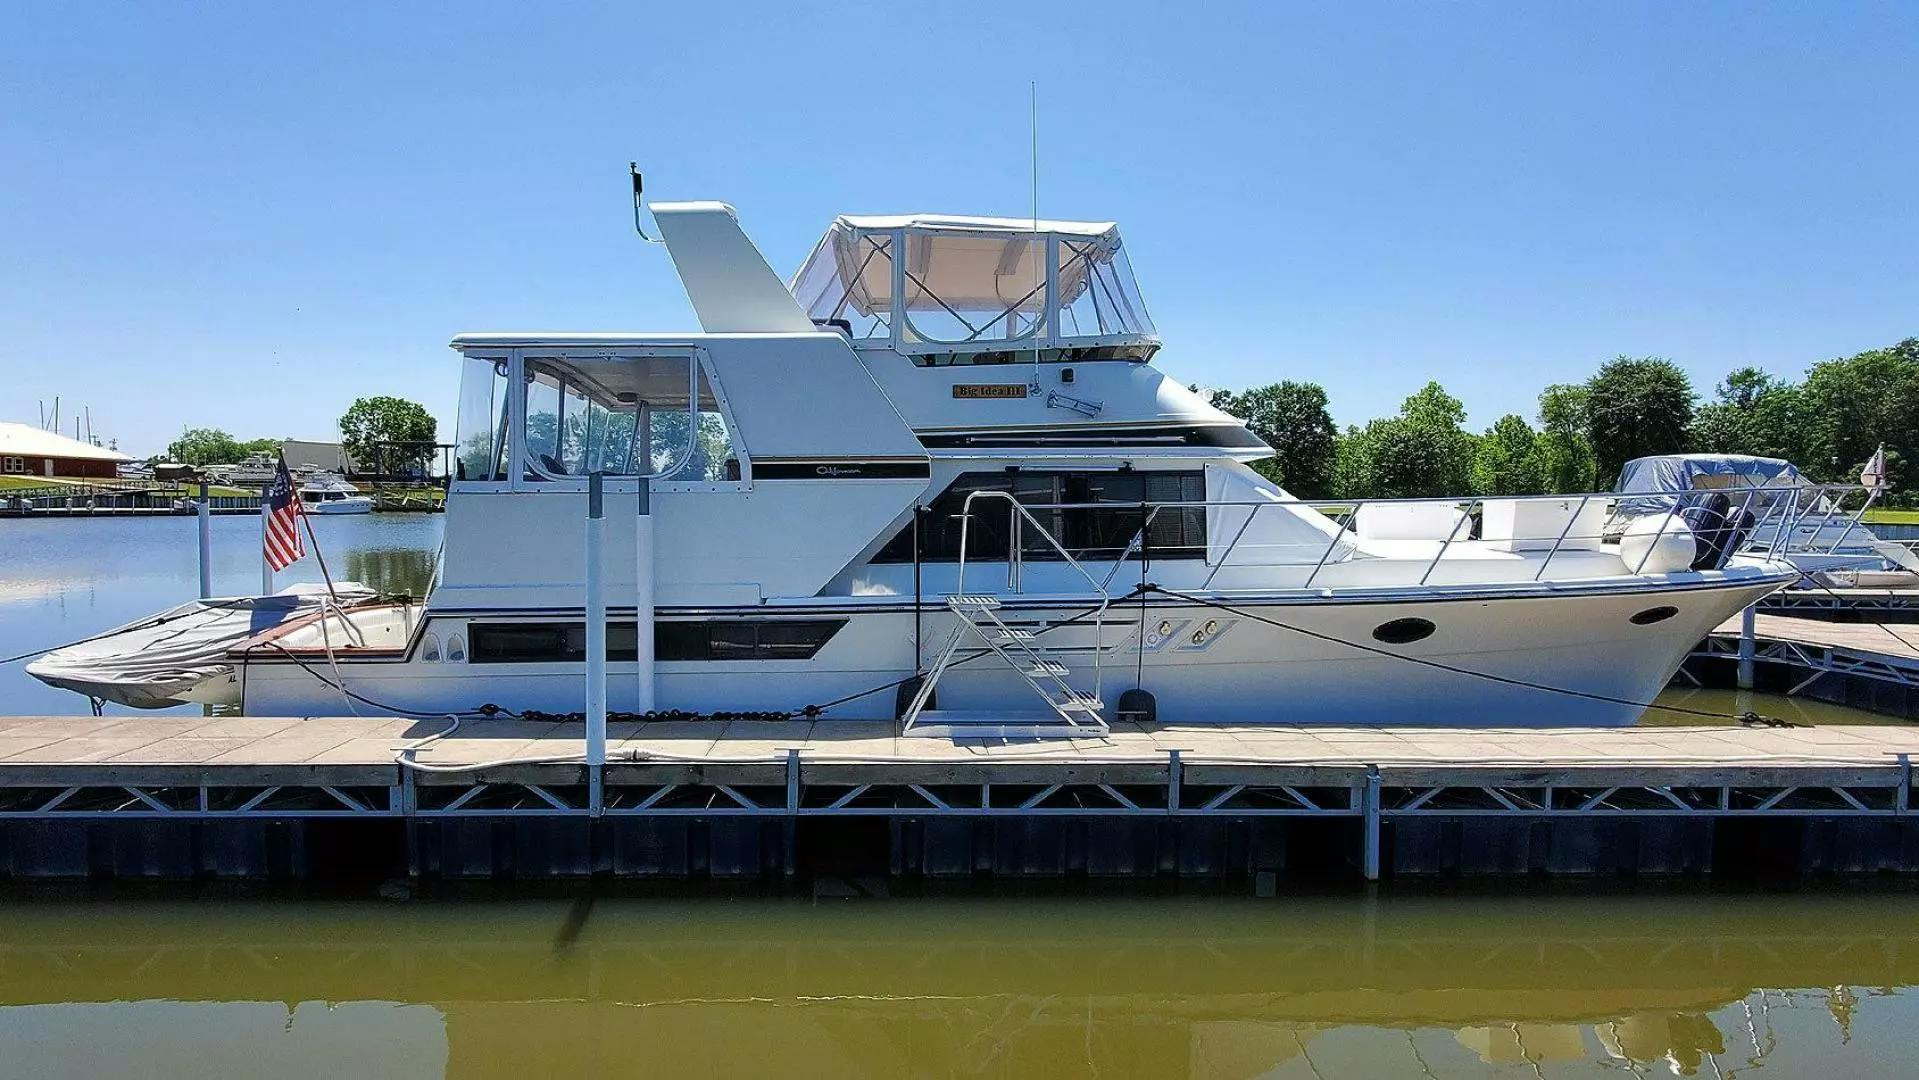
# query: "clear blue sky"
210 215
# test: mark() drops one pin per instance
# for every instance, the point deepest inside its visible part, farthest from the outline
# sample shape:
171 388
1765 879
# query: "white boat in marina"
255 470
940 479
325 493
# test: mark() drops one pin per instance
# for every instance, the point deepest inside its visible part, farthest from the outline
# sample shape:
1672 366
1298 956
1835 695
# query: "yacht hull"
1547 657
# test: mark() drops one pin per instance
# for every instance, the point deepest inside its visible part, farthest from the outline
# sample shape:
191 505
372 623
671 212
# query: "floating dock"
318 797
1865 665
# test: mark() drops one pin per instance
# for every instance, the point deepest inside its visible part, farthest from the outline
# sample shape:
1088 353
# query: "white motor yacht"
325 493
940 479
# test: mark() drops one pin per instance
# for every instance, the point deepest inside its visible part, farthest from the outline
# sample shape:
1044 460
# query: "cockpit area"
970 290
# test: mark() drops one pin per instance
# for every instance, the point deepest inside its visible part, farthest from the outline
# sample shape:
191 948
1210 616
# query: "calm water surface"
1550 985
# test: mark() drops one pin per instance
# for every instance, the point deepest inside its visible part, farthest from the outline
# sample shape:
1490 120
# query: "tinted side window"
716 639
1089 533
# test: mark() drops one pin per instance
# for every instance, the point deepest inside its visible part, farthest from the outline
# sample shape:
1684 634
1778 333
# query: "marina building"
31 451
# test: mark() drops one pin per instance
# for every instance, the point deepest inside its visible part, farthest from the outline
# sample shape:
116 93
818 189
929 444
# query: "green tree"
373 421
1856 403
1637 406
260 446
1753 413
1421 452
1562 453
1291 418
204 446
1505 460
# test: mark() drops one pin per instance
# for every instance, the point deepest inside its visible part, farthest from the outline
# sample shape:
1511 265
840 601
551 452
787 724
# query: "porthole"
455 650
1404 631
1654 614
430 649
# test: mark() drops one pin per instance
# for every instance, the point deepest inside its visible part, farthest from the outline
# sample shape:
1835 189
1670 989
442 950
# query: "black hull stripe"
1222 436
838 469
1121 605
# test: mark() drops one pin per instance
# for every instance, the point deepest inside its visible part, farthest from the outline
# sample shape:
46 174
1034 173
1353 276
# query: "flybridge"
971 288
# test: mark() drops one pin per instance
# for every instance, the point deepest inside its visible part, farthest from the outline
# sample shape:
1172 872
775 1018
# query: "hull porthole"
1403 631
1654 614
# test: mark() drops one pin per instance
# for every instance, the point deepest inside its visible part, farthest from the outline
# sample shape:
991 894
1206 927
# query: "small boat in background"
1817 528
326 493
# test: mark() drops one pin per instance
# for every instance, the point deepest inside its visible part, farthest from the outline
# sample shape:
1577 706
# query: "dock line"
1745 717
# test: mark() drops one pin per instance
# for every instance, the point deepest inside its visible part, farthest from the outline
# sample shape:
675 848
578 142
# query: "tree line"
370 424
1828 424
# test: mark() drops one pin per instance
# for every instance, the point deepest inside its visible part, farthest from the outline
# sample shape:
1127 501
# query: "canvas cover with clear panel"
974 282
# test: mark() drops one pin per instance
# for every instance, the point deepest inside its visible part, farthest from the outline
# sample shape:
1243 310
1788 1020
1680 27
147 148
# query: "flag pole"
308 522
300 508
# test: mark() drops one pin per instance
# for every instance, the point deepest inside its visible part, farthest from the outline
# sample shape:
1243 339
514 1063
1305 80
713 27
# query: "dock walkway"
690 778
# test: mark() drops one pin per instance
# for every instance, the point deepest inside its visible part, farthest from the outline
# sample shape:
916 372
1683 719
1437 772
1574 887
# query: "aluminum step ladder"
1070 713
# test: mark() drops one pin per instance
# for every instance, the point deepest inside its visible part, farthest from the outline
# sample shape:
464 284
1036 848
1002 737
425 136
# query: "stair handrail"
1105 597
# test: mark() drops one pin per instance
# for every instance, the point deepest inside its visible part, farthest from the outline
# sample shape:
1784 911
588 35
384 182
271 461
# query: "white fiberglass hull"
356 505
1272 660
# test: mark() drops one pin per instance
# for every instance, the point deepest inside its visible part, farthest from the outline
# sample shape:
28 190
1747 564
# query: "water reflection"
1441 987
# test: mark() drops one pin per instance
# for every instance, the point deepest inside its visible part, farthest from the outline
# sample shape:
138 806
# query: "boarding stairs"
1070 713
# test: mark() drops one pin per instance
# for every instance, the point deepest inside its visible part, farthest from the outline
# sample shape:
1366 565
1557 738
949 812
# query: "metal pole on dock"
206 543
1747 632
643 700
595 641
266 568
1369 824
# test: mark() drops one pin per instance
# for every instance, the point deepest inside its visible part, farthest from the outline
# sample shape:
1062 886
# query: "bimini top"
975 284
1697 472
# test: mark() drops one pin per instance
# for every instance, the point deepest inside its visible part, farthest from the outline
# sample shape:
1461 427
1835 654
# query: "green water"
1553 984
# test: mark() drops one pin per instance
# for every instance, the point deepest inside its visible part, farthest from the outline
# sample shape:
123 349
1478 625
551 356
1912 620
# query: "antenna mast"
1032 103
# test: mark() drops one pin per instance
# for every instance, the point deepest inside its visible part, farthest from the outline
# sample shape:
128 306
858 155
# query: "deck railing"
1767 521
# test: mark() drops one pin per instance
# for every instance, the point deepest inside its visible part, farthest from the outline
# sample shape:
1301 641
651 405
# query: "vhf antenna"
639 187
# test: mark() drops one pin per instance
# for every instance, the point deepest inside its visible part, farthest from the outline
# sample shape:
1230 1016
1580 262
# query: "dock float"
316 797
1866 665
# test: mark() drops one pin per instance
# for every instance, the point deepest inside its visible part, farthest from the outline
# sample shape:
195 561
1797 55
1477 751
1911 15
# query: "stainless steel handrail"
1105 598
1782 515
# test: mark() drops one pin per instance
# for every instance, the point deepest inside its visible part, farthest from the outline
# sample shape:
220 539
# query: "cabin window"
482 420
1088 532
714 639
13 465
626 416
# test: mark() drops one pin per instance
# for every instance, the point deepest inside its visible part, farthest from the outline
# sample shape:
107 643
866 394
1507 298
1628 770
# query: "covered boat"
1818 528
179 656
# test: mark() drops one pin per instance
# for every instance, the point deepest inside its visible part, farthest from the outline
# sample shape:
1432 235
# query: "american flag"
283 546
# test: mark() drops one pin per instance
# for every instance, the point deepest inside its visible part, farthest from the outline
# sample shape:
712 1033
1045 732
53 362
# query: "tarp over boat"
167 659
1671 474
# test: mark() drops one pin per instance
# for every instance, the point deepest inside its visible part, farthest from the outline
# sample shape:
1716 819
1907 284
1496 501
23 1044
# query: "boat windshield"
973 289
623 416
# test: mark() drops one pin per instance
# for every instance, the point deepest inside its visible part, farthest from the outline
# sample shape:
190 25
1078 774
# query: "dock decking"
683 784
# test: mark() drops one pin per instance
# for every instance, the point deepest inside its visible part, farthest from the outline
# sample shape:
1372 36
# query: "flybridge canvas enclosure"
969 285
1673 473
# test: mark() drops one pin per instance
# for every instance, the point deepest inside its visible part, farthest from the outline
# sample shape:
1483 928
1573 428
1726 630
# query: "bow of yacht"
939 479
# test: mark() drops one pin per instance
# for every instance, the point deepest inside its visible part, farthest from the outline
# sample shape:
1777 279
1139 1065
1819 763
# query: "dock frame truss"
788 785
1816 660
